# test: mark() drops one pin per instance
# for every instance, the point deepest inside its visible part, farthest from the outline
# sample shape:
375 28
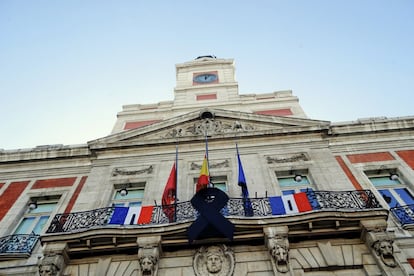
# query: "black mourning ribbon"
210 223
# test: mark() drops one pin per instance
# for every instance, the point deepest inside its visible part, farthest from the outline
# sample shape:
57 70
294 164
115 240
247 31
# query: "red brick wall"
51 183
348 173
75 195
10 195
408 157
275 112
131 125
370 157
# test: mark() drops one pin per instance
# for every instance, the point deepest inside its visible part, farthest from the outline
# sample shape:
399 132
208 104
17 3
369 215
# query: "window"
219 182
130 195
392 190
293 182
36 216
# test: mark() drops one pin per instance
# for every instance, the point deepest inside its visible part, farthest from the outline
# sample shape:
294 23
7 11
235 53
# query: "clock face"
205 78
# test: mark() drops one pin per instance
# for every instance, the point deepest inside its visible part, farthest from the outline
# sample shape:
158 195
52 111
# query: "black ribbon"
210 223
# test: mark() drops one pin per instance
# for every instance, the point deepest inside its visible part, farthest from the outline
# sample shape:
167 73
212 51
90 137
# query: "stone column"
149 250
276 239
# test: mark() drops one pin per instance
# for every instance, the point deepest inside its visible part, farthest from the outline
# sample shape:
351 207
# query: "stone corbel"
382 244
54 260
277 243
149 250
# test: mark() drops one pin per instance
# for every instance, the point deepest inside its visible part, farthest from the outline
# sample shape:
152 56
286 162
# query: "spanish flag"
204 178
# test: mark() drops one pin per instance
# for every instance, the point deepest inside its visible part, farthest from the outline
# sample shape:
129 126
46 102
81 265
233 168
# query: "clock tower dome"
205 80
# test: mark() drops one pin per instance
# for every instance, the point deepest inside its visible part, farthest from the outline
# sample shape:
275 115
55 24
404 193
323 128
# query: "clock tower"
205 79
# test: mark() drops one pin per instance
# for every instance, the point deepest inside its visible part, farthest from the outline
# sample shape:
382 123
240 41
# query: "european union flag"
247 205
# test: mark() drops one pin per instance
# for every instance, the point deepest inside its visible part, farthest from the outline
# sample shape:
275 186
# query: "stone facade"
326 198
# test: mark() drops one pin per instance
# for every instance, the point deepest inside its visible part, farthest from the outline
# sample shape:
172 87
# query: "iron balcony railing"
235 207
18 244
404 214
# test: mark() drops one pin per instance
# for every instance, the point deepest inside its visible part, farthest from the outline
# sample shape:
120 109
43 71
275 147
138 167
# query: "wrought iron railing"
18 244
184 211
404 214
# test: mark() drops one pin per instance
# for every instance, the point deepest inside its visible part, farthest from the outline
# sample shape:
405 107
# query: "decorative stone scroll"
214 260
289 159
209 127
118 171
213 165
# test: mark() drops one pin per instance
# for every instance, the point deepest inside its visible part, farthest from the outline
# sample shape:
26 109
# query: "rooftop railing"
235 207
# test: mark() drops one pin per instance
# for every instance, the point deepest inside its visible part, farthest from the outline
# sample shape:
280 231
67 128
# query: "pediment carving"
210 127
222 122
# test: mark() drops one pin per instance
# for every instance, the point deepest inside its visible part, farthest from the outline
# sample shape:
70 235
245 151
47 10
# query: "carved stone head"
279 250
279 253
385 251
215 257
215 260
147 264
48 269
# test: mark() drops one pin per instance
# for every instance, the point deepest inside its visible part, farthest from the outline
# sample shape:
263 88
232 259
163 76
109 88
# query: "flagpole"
208 163
176 183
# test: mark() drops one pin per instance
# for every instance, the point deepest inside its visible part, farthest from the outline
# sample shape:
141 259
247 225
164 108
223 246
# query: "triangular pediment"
215 123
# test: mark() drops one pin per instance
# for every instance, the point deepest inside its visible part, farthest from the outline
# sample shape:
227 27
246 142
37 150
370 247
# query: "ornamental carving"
148 260
209 127
212 165
385 251
51 265
279 251
215 260
289 159
118 171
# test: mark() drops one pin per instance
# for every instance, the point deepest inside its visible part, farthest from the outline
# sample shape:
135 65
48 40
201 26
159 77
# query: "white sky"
67 67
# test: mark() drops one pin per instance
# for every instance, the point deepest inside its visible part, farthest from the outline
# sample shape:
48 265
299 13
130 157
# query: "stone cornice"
44 152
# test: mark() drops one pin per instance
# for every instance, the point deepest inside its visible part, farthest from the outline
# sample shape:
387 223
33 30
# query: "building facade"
323 198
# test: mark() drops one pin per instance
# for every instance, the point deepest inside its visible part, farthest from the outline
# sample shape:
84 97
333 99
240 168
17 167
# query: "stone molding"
119 171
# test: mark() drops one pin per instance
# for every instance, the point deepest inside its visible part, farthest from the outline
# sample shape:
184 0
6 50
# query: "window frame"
128 201
39 217
294 187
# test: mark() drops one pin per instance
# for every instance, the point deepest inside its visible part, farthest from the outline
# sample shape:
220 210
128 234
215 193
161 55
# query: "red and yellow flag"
204 178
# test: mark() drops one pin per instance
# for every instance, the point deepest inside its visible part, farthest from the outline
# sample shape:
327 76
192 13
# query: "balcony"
405 215
17 246
261 208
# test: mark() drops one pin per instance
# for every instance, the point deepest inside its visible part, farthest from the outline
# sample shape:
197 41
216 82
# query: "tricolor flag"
204 178
247 205
290 204
169 195
131 215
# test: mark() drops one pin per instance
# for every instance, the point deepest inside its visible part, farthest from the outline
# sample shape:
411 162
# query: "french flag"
290 204
131 215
